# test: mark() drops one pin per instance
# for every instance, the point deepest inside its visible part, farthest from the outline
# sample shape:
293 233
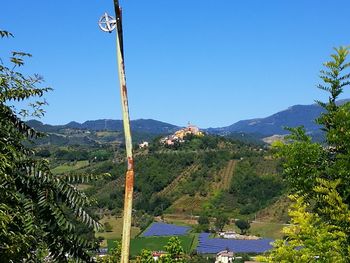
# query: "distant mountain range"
141 125
298 115
294 116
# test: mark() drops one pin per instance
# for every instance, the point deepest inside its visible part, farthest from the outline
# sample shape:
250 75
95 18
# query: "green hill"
205 174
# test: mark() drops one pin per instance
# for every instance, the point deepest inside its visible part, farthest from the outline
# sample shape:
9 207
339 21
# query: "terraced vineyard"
224 177
169 188
192 204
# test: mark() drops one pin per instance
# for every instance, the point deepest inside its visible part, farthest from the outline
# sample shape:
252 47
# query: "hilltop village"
179 136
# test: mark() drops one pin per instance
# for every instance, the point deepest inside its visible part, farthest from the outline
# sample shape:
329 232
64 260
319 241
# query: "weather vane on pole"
107 24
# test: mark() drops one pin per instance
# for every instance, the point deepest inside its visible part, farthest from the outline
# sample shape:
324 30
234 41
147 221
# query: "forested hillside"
205 174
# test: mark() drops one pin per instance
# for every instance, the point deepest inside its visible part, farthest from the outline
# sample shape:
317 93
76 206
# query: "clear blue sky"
208 62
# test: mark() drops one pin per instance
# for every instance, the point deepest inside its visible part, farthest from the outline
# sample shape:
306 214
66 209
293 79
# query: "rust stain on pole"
129 178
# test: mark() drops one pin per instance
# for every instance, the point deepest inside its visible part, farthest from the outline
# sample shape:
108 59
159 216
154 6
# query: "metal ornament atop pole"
108 24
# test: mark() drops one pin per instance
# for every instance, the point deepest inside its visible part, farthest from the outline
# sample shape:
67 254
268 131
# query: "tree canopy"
318 177
174 253
38 210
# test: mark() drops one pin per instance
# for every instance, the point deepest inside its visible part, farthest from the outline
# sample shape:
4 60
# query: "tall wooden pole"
129 178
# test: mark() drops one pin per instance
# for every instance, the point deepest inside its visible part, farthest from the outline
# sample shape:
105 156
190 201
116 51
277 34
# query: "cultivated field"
69 167
117 228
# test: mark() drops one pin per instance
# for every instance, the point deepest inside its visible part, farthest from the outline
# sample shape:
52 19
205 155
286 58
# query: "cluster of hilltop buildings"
179 135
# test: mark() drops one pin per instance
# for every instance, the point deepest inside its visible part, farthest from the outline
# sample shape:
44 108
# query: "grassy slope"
276 212
69 167
117 228
266 229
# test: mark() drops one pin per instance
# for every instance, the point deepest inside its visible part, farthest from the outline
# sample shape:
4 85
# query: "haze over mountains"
294 116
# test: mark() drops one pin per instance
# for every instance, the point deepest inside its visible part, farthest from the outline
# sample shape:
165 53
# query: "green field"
266 229
261 229
117 229
156 243
68 167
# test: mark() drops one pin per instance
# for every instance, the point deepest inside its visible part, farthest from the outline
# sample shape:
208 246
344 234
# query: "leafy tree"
243 225
38 211
43 153
114 256
108 227
319 178
174 249
221 221
251 191
145 257
203 223
203 220
305 161
310 237
175 253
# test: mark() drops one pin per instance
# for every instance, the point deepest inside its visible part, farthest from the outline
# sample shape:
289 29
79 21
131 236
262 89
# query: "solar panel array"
210 245
162 229
215 245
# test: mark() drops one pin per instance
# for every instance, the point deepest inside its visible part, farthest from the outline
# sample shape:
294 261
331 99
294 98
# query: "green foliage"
305 161
220 221
311 238
251 191
175 253
43 153
71 154
193 142
301 178
114 256
141 219
158 170
145 257
108 227
203 220
203 223
174 248
335 78
39 212
100 155
243 225
318 176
